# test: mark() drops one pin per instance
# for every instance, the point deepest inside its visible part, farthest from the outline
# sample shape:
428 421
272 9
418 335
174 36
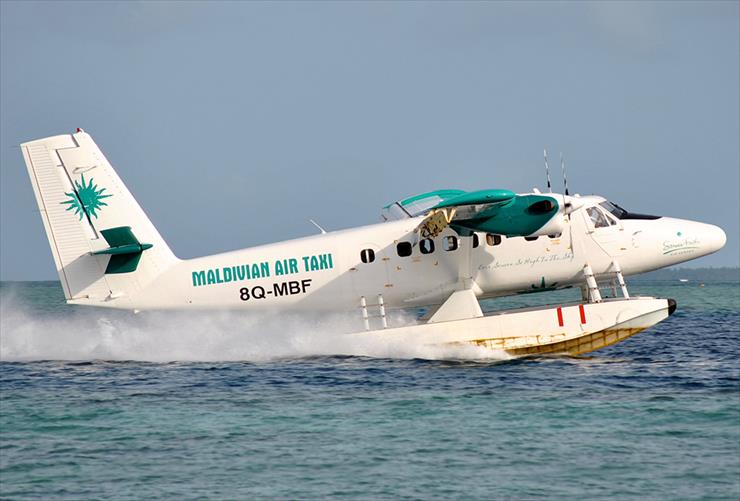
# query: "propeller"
567 205
562 166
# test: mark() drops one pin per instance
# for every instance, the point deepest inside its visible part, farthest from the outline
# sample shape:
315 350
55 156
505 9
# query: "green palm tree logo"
86 198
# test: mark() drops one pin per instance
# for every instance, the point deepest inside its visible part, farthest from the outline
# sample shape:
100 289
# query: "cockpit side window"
597 217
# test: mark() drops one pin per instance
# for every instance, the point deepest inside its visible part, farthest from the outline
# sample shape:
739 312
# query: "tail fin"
103 243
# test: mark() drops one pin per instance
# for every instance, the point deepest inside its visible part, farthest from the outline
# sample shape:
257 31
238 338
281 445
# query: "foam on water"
98 334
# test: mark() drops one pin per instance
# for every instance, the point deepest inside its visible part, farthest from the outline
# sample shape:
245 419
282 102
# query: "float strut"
594 296
620 279
382 311
365 318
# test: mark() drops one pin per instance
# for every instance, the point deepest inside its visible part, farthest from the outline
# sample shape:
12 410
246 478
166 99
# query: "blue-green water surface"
97 405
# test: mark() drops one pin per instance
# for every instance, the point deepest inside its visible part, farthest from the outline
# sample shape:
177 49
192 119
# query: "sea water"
97 404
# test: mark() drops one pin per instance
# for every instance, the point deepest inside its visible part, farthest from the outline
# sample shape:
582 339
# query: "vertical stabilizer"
104 246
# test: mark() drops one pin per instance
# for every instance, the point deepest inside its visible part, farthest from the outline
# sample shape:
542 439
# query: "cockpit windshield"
614 209
621 213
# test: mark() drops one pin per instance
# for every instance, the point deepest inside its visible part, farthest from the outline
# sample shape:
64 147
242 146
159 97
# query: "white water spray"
97 334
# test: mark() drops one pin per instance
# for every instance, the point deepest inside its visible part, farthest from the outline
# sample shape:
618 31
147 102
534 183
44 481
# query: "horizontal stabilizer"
125 250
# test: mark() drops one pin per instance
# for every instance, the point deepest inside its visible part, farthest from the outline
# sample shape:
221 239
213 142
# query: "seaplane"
437 254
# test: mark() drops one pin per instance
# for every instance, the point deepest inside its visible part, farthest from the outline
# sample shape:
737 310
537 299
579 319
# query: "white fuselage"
326 271
108 253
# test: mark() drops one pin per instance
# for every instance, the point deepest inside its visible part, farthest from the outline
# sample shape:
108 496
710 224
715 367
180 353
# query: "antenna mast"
317 225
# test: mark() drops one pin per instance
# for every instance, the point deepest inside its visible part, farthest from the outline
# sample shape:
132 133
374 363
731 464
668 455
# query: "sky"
234 123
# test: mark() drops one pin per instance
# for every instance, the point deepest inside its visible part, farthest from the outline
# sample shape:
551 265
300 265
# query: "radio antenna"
565 180
317 225
547 172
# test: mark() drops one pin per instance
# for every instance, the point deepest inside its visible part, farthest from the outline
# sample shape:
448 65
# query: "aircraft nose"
715 237
708 237
691 239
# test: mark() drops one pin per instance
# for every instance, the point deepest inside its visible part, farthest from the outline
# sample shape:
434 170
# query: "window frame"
495 238
431 246
404 244
370 253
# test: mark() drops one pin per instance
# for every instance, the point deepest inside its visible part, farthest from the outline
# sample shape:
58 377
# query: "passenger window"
476 240
597 217
493 239
531 239
426 246
404 249
450 243
367 255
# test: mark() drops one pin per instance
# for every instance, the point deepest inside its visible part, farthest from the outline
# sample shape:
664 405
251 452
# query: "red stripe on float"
560 316
583 313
